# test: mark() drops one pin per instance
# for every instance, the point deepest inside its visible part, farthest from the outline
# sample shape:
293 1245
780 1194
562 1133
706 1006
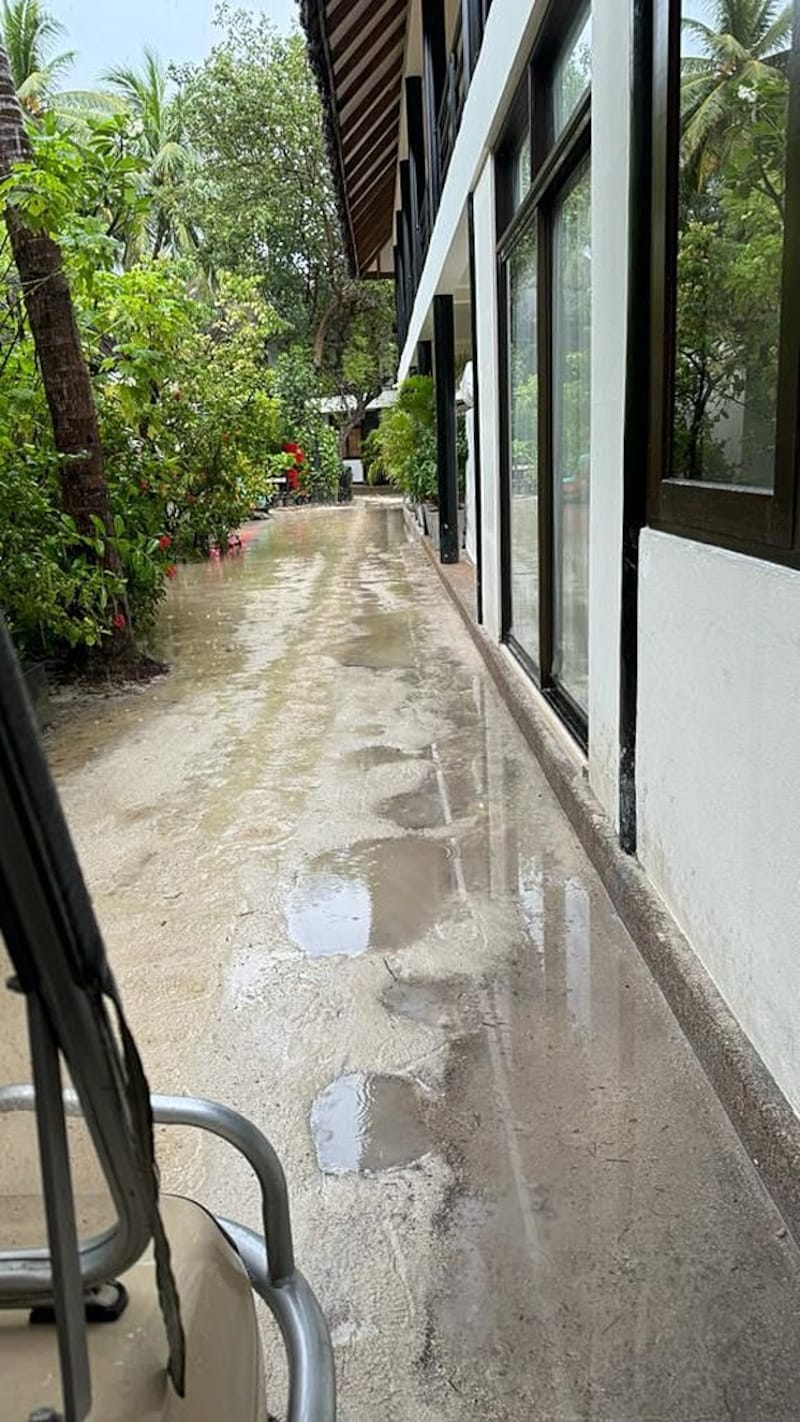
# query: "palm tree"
30 34
54 329
744 44
157 110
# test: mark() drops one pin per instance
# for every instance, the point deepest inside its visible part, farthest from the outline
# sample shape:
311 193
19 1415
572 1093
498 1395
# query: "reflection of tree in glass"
734 100
573 331
573 76
523 378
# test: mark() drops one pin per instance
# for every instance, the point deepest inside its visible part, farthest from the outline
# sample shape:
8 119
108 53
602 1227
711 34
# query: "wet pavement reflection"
340 896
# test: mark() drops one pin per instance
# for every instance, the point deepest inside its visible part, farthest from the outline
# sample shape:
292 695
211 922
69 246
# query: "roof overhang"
357 51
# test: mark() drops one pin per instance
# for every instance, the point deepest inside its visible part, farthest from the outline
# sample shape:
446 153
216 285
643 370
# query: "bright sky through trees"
108 33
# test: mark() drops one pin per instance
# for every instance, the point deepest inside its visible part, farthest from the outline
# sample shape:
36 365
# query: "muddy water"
339 895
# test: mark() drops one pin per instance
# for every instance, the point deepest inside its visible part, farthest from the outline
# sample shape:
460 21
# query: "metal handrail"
268 1259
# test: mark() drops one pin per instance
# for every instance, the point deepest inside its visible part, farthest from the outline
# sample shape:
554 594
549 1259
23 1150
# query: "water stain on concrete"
382 893
364 1122
366 757
450 1005
416 809
436 802
382 644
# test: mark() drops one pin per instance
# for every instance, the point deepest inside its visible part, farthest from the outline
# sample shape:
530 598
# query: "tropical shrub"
189 423
403 447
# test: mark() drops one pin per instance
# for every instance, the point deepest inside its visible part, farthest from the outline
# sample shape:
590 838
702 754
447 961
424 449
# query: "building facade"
599 204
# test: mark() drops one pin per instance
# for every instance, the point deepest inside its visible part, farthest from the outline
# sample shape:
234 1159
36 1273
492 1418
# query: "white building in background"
336 408
515 167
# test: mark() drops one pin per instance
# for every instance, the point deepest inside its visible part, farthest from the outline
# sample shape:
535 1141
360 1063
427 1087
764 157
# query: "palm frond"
30 33
777 36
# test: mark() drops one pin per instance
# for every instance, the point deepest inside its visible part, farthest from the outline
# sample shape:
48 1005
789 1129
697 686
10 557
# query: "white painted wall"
486 364
611 56
718 767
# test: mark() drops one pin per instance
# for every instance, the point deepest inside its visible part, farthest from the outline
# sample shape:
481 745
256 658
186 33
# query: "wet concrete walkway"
340 896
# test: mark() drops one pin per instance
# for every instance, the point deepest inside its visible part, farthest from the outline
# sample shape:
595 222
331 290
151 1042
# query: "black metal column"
409 261
398 294
415 124
434 68
637 422
476 414
471 25
444 367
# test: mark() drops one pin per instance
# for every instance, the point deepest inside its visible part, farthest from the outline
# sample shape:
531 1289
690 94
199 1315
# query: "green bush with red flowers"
191 437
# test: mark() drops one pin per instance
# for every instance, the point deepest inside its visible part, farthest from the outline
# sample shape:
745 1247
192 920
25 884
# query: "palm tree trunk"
48 304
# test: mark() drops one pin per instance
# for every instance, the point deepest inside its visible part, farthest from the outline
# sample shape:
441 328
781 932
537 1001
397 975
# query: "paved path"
340 896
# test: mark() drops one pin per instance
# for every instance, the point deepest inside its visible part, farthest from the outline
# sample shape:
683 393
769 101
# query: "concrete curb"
757 1108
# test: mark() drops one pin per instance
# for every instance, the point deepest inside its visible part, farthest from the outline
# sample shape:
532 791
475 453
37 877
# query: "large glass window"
732 200
726 317
523 416
546 265
572 355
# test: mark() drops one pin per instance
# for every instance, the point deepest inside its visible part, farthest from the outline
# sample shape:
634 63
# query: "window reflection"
572 328
523 453
521 179
573 73
734 107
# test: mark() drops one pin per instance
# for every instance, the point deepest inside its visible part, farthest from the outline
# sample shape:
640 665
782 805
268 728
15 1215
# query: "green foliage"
298 390
196 218
356 351
154 117
403 448
262 194
191 428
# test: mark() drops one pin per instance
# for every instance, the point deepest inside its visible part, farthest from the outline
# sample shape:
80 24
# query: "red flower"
143 485
119 620
171 570
164 542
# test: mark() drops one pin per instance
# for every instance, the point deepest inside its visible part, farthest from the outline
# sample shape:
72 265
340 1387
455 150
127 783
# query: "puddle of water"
330 913
382 893
363 1122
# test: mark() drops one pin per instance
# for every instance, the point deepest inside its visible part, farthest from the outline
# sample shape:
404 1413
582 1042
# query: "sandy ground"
339 896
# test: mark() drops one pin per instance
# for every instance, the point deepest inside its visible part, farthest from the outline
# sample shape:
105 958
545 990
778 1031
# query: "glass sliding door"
545 257
523 429
572 329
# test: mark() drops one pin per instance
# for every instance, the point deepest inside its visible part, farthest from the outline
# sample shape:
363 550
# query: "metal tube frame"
268 1259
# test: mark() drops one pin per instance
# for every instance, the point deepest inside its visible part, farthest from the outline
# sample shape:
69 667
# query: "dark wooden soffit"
357 48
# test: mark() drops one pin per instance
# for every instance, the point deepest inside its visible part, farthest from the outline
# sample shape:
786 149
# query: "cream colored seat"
224 1372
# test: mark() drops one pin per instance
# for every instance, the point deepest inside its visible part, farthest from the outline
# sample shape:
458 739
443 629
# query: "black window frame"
761 523
555 164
